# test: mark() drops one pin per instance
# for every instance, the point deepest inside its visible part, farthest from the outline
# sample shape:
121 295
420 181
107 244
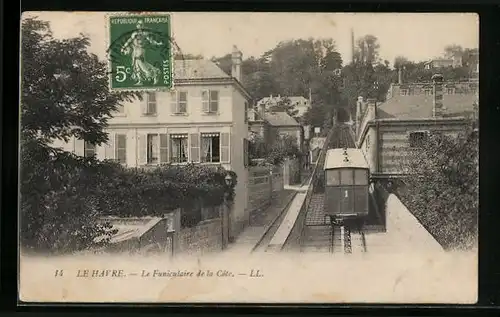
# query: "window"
179 102
179 148
360 177
89 149
346 177
450 91
428 92
152 149
210 101
150 103
121 148
332 178
404 92
417 139
210 147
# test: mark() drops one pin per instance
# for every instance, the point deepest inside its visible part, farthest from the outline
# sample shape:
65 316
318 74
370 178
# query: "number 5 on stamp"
140 52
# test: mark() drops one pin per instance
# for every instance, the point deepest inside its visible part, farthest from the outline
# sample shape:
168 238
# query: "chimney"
437 108
372 108
359 107
262 110
236 58
400 76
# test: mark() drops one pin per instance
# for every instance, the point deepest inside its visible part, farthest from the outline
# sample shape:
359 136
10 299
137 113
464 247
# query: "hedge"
441 188
63 196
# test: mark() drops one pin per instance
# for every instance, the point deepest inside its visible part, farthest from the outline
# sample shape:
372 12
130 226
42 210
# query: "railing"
297 231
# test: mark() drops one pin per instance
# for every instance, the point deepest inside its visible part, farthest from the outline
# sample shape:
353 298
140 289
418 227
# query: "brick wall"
204 238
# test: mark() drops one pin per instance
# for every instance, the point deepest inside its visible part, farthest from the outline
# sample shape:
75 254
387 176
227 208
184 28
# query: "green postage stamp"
140 52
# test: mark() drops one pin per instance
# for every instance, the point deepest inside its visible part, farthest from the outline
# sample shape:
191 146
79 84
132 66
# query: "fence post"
224 215
177 231
270 184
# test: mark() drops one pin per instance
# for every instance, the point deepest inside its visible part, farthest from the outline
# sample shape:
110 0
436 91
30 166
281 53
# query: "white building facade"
203 120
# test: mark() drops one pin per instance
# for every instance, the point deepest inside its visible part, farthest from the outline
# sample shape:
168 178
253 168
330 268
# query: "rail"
297 231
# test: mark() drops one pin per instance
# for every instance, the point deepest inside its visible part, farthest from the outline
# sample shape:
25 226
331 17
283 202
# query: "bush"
63 196
441 188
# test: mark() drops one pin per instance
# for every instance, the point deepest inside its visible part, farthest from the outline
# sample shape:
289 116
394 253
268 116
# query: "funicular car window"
332 178
360 177
346 177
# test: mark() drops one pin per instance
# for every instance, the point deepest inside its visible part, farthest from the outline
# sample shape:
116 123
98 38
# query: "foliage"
283 147
64 90
441 188
63 195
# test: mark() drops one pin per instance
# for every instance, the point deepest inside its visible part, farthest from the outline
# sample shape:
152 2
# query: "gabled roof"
197 69
280 119
420 106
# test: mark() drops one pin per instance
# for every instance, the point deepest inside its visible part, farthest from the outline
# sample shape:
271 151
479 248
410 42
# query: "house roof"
197 69
420 106
280 119
274 99
129 228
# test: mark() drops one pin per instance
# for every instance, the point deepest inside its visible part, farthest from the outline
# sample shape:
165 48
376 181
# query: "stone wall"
204 238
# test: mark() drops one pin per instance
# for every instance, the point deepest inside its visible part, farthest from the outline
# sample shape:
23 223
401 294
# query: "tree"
441 188
64 89
64 94
367 49
401 61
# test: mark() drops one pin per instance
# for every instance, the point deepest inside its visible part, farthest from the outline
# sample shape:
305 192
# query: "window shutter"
163 148
142 149
79 147
245 152
205 100
224 148
144 103
173 102
194 141
109 147
245 118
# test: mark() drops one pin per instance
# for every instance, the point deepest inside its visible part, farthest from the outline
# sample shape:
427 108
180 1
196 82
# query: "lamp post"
226 213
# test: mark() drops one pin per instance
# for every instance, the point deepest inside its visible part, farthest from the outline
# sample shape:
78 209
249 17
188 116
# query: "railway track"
348 240
322 236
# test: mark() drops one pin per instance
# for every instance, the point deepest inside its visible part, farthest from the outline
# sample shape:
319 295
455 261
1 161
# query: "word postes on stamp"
140 52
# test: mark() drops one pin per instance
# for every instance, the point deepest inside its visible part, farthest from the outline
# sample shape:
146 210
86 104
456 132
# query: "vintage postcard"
249 157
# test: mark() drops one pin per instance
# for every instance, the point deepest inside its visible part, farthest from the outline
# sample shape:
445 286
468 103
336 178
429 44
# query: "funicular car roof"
336 158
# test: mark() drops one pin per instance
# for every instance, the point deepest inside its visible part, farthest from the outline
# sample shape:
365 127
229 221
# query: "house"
273 125
203 120
299 103
455 61
386 131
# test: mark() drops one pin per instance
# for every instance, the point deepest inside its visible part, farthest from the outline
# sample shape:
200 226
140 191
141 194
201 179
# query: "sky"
417 36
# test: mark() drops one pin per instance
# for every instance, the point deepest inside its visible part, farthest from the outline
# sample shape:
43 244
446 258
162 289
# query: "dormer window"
418 138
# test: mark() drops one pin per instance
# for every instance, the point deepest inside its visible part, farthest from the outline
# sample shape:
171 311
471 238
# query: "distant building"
204 120
444 62
273 125
299 103
386 131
